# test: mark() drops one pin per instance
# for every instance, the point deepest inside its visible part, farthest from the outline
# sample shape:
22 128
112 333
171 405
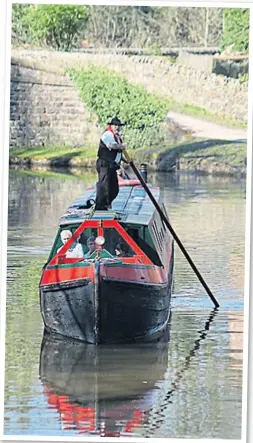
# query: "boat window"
85 239
116 245
142 237
159 234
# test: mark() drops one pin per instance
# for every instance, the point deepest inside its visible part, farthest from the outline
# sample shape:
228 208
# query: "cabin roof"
132 205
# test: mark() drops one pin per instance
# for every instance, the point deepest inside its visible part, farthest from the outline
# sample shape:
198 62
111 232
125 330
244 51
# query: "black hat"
116 121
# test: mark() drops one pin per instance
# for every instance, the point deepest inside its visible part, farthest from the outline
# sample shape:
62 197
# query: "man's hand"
123 146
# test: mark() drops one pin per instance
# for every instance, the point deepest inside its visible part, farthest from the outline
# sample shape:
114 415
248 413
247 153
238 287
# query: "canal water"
190 386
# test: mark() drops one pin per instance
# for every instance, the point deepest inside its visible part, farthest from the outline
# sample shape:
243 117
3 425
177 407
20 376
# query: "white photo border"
5 36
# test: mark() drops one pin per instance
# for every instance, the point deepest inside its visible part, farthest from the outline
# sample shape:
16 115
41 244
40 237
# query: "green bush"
19 30
236 29
57 26
108 94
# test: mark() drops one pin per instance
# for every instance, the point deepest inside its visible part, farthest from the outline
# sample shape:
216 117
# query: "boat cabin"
132 229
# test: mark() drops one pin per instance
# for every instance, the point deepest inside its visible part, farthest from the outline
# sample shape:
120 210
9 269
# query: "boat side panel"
69 310
162 239
135 273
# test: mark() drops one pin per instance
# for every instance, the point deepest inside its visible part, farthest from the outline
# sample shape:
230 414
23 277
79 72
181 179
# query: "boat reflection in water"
102 390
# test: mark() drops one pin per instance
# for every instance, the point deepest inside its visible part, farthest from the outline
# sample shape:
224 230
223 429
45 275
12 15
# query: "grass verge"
210 156
54 155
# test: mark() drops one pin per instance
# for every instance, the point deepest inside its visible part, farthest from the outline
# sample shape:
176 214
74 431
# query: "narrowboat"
119 292
102 390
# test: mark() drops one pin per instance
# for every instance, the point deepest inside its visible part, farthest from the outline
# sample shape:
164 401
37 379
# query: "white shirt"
108 139
77 252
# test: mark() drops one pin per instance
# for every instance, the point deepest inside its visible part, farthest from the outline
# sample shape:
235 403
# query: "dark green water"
191 387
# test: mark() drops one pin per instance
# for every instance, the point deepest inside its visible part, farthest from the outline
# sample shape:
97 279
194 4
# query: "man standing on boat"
109 157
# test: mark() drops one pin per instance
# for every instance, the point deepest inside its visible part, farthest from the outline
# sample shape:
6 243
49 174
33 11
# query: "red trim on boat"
60 274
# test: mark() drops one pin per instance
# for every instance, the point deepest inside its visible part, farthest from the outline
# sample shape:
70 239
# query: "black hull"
68 309
131 312
107 311
127 312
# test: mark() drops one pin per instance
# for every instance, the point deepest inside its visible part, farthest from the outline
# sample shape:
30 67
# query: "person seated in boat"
122 250
109 154
75 250
91 243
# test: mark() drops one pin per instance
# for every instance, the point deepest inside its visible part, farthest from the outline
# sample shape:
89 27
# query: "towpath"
205 129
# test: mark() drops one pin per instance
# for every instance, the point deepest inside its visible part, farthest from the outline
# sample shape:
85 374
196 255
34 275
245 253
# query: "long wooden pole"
167 223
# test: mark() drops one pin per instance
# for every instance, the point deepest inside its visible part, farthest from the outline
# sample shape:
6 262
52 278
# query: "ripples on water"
188 386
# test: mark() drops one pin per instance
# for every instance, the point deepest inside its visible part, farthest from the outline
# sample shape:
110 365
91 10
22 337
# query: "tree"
236 29
57 26
147 27
64 26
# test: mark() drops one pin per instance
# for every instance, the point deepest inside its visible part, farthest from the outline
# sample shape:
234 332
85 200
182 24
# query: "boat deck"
132 205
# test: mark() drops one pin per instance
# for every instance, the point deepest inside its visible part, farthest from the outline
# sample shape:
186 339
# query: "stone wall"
45 110
226 97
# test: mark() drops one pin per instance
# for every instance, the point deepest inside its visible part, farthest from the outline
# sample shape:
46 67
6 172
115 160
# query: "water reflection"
102 390
159 413
108 390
